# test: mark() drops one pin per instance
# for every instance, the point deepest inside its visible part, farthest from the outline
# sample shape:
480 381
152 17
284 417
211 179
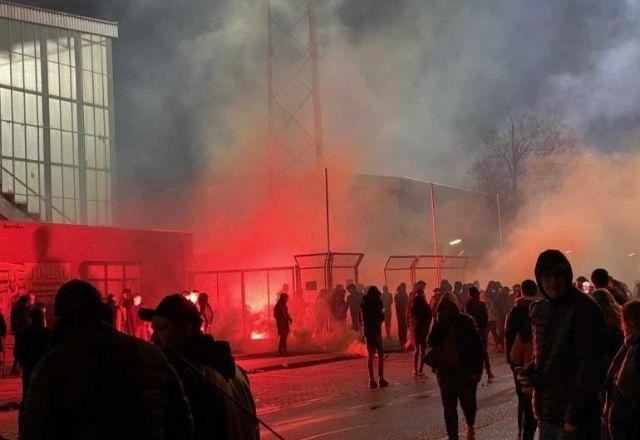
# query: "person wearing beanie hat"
458 363
569 354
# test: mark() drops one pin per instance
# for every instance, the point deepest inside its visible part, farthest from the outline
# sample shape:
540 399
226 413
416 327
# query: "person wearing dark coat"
372 315
478 311
420 317
387 302
99 384
518 331
570 356
614 337
401 300
622 388
19 320
602 280
283 321
206 369
32 344
458 364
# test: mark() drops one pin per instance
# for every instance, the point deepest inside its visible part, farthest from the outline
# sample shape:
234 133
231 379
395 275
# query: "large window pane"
7 139
32 143
97 90
99 122
97 58
31 109
69 210
91 185
52 45
105 90
56 181
16 37
101 186
30 81
17 79
68 156
90 151
68 183
86 52
19 148
33 182
87 86
20 177
100 159
54 113
55 141
29 41
66 115
88 120
63 47
18 106
65 81
5 104
7 175
54 79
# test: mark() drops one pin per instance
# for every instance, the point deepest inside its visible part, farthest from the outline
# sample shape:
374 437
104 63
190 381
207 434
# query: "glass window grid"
61 65
102 279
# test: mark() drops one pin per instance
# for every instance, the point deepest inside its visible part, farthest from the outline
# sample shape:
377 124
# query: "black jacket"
372 315
570 358
478 311
519 321
468 342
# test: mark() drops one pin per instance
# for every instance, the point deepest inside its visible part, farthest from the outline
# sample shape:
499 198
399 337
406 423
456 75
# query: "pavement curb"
300 364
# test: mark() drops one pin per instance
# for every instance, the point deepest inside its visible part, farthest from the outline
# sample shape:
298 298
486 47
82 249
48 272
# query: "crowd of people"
94 375
573 346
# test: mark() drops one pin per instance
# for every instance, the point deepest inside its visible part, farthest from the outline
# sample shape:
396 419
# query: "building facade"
57 134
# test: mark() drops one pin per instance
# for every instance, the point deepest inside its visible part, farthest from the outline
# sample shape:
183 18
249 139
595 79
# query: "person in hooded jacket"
387 301
32 344
372 315
458 364
569 354
622 388
518 332
217 388
478 311
283 321
420 317
354 301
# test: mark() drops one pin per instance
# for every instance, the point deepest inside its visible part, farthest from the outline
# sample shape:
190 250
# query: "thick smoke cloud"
407 86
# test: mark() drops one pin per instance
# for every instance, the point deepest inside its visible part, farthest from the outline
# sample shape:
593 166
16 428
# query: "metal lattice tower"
295 115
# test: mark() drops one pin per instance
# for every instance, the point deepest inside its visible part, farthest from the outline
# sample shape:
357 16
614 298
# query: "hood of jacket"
553 260
526 301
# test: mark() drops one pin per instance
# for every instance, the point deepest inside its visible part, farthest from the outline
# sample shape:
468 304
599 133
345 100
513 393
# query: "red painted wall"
165 256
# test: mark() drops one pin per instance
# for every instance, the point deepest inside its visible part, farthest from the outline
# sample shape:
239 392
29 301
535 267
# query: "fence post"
434 231
244 306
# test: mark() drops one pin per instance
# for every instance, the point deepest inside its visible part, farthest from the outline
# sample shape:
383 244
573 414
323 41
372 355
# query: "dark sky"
443 69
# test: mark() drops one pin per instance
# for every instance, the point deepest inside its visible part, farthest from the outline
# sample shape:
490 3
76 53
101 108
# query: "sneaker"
373 385
382 383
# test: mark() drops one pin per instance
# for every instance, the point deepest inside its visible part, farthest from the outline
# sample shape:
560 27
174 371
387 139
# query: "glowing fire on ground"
258 335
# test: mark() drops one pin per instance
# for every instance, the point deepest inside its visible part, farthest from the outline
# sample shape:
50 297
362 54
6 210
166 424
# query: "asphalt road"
332 401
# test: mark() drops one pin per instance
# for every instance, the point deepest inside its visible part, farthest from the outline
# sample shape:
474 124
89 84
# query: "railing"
40 197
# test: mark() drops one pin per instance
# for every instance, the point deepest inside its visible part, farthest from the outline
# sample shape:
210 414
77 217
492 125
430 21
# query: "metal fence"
244 298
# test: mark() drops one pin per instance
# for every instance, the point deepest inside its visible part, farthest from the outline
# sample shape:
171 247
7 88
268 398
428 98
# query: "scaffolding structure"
293 87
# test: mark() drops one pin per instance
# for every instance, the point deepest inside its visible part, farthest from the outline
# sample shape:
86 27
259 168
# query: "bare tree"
528 150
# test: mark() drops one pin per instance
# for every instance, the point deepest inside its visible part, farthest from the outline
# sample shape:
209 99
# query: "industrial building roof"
63 20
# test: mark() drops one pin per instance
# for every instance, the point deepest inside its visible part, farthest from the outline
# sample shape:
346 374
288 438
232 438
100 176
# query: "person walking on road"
519 353
420 317
372 318
478 311
458 364
32 344
283 321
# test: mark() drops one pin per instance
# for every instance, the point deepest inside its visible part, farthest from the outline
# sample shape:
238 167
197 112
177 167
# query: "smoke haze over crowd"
407 86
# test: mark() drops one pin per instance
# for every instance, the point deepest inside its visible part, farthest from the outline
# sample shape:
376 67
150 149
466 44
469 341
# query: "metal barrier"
430 268
246 297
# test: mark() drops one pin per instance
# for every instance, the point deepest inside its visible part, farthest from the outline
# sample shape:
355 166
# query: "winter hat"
553 260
